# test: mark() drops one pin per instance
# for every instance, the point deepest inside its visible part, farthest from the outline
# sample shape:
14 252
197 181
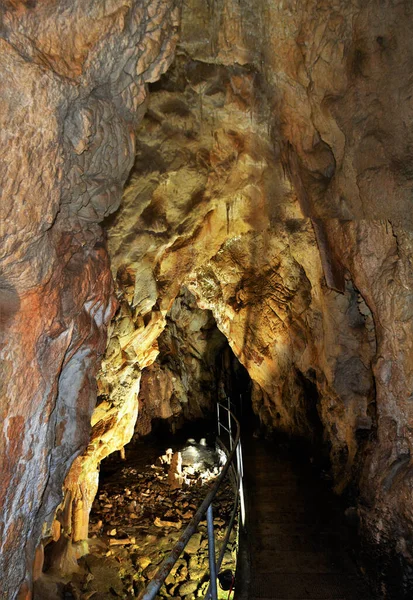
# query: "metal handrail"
205 507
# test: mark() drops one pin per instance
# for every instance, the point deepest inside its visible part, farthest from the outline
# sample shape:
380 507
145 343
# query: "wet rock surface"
269 189
73 83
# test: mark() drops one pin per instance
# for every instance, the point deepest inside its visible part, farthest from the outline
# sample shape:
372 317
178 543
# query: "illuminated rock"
277 129
74 81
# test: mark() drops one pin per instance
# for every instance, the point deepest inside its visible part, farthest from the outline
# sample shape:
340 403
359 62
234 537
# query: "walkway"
296 540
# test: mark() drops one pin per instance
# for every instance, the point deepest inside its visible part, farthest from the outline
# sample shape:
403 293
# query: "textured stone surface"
307 348
380 257
182 384
264 120
340 89
209 204
276 119
73 80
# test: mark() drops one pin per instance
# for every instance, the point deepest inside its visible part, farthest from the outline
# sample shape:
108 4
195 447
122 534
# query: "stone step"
292 561
305 541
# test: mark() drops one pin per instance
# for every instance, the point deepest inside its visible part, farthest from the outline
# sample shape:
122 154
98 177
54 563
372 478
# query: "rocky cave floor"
136 519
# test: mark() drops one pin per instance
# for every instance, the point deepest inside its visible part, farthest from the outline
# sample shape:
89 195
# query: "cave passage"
295 543
178 178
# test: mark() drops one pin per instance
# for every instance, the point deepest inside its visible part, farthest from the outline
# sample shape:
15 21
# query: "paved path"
296 540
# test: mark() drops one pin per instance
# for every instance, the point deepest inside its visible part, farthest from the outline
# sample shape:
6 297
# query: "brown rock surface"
380 257
340 86
182 384
279 126
73 78
217 212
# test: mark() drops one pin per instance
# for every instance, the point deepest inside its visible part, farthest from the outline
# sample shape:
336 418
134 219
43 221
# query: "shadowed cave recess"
203 199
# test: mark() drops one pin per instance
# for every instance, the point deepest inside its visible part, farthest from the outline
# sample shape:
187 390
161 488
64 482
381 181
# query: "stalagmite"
175 477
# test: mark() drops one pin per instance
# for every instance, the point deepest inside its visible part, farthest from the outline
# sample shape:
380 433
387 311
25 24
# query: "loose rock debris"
137 518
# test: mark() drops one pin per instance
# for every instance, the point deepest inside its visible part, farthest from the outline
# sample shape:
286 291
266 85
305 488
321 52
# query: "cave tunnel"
206 203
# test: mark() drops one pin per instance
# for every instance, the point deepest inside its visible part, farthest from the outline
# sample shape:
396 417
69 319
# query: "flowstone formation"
249 148
209 205
74 81
270 176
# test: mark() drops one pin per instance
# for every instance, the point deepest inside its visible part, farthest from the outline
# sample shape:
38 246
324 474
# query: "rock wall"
279 127
307 348
182 384
210 205
73 84
339 74
261 153
380 257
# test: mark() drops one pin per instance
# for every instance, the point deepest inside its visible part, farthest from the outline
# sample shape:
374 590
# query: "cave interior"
206 202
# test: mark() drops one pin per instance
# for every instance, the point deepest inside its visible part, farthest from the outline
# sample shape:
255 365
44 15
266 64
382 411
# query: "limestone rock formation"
270 175
340 85
254 128
209 204
73 80
308 349
380 257
182 384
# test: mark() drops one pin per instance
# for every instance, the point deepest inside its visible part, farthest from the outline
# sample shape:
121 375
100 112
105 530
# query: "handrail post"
229 423
240 468
211 552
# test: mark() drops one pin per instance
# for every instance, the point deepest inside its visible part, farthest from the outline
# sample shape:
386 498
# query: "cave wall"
209 204
380 257
339 74
274 118
182 384
292 333
267 130
73 80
